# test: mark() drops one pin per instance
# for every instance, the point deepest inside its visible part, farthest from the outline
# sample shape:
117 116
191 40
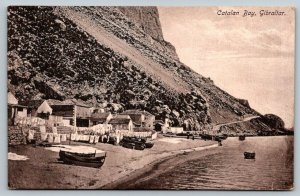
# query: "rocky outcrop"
48 89
273 121
244 102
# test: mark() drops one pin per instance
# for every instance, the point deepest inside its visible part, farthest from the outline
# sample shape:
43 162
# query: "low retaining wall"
16 135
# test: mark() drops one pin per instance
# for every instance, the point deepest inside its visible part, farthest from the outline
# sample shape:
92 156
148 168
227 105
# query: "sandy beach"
122 166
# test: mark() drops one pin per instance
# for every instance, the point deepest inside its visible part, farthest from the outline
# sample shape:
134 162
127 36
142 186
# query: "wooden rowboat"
249 155
82 159
149 144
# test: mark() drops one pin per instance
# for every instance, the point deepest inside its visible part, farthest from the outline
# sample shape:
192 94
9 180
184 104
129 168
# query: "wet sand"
122 166
141 176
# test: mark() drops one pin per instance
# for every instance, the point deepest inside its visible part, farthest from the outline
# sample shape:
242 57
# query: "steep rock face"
145 17
109 56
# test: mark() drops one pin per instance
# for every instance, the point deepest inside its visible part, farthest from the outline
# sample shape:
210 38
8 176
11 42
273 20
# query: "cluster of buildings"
73 113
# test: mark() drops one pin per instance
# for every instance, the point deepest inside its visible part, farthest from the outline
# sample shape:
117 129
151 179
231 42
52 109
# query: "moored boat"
249 155
82 159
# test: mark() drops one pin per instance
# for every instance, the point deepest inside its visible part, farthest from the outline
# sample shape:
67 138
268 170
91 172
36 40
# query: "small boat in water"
82 159
249 155
242 137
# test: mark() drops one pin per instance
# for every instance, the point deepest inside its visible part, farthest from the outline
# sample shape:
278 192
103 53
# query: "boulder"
175 113
61 24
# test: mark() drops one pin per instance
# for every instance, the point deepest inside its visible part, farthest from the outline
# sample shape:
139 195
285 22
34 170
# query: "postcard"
150 98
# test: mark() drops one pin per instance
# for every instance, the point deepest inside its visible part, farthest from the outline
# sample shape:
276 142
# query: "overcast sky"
250 57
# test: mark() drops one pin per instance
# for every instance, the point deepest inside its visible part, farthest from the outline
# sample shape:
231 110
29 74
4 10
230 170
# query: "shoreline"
124 169
156 167
121 165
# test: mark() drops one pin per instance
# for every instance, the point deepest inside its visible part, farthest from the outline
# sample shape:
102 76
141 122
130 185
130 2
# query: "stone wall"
16 135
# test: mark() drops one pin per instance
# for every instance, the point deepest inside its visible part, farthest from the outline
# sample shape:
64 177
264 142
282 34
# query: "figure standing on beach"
220 142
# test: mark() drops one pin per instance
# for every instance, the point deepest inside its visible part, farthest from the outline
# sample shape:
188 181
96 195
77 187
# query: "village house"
74 112
175 130
45 111
15 110
121 122
162 126
69 112
141 118
166 128
100 118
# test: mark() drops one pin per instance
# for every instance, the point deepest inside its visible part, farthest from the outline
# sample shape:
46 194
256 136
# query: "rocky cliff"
111 57
146 18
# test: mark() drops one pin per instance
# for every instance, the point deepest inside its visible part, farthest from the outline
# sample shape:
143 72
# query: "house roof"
44 108
142 129
67 102
101 117
33 103
136 118
54 102
51 102
80 103
11 99
122 116
119 121
137 112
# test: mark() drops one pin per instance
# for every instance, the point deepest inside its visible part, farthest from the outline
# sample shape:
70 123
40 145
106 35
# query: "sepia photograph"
150 97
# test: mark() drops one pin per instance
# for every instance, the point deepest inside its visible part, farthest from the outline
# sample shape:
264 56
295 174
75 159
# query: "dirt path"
218 126
118 45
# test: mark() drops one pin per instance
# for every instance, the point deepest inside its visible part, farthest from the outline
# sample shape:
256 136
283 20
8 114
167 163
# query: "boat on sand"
82 159
249 155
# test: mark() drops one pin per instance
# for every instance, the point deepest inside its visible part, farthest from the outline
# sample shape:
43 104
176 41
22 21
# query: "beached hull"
135 143
149 145
213 137
135 146
128 145
86 160
249 155
172 135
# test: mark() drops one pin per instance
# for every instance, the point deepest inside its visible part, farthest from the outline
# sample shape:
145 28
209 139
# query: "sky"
250 57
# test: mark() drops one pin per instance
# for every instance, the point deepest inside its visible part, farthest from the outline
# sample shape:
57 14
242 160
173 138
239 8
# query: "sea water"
227 169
